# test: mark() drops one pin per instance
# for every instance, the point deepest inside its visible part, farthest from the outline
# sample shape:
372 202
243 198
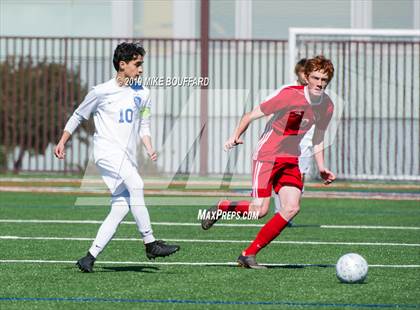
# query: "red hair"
320 63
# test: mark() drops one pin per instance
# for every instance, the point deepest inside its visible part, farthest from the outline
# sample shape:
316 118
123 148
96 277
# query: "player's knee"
264 209
292 209
260 206
120 206
123 210
262 212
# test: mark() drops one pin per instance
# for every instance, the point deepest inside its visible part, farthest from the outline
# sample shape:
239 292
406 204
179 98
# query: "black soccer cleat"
85 264
249 262
211 216
159 248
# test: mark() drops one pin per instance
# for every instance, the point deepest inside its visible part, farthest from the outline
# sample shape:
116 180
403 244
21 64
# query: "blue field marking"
211 302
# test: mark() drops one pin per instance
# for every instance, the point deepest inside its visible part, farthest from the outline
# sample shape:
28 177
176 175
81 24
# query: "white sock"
135 185
119 209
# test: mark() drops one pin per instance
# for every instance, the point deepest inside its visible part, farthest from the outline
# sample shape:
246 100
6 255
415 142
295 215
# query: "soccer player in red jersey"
275 161
305 158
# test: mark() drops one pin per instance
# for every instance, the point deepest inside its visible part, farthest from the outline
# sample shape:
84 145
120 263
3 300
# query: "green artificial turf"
117 284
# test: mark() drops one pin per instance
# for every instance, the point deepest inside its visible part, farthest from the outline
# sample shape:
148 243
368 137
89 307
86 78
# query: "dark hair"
125 52
299 65
320 63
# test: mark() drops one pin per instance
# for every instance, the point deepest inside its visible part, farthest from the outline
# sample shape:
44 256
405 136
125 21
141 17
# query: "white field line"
221 241
369 227
39 261
198 224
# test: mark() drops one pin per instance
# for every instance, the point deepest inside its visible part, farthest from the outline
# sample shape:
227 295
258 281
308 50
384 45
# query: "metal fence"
37 99
378 79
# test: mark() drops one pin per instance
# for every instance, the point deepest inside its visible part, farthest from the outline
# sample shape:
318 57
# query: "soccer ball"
351 268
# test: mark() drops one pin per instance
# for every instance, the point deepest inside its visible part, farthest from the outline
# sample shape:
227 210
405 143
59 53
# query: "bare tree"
36 99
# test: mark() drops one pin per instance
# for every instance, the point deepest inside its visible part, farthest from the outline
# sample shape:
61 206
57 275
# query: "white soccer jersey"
121 115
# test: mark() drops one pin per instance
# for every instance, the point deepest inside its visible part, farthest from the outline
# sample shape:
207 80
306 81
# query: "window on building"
392 14
222 19
271 19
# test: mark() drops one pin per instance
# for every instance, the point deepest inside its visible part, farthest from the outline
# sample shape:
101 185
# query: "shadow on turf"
145 269
293 266
297 266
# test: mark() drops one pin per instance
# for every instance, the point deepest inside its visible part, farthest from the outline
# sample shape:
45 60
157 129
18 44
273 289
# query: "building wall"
55 18
271 19
153 18
228 18
393 14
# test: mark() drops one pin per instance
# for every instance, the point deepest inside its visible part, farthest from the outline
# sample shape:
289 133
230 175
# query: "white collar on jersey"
308 98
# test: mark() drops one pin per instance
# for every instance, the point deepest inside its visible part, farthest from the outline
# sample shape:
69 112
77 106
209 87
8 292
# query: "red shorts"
269 175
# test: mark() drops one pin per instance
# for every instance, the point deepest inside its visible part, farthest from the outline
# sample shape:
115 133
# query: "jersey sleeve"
275 102
83 112
325 116
145 114
88 105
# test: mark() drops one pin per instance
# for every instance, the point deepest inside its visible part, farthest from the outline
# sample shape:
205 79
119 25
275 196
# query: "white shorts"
113 173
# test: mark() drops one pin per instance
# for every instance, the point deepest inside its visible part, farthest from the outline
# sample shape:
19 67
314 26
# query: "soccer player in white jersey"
305 145
121 112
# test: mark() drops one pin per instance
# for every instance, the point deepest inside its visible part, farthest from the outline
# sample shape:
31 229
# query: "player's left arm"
145 134
147 142
318 143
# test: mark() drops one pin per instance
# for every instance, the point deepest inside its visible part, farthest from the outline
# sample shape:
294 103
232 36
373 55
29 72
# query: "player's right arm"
83 112
246 119
272 104
59 150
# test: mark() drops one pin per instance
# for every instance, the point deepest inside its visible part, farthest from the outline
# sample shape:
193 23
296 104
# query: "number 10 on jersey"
126 116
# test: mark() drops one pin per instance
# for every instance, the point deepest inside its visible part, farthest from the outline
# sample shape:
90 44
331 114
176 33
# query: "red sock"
267 233
238 206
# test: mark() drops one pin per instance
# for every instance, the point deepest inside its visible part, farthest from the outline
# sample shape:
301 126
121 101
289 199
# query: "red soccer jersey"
293 116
